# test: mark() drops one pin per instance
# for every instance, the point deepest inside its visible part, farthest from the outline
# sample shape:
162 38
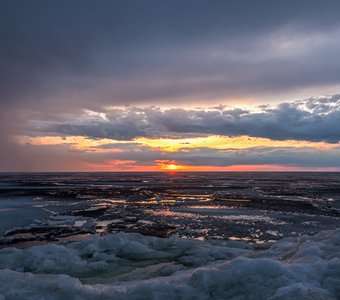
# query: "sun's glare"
171 167
168 165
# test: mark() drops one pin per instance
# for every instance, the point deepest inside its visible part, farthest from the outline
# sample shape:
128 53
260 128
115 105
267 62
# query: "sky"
169 85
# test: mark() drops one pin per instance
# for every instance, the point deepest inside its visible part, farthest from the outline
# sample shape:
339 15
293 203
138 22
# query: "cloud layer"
315 119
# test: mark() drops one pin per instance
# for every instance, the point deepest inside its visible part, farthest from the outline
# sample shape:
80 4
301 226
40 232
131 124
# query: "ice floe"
132 266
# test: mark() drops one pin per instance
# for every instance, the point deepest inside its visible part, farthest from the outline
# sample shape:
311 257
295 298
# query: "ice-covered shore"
132 266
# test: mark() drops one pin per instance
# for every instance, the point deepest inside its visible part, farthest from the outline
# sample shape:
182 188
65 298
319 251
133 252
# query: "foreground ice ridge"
132 266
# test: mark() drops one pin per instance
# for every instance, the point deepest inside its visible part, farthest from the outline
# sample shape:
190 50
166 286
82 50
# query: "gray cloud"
89 54
314 119
299 157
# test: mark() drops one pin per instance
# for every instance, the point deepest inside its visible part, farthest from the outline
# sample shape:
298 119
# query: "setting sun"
168 165
171 167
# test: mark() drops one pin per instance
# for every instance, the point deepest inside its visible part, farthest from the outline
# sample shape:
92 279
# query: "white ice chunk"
132 266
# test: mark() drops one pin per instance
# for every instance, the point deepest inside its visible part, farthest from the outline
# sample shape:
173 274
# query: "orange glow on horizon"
92 161
172 167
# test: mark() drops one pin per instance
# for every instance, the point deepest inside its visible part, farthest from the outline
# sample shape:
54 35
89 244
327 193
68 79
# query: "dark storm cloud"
315 119
87 53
